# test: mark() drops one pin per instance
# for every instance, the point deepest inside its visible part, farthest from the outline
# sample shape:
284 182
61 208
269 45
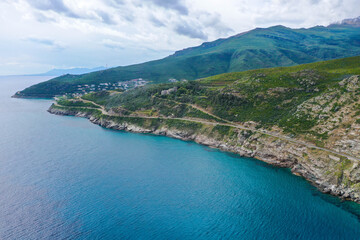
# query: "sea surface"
66 178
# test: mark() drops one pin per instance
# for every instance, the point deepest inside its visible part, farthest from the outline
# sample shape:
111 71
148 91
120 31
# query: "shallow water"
65 178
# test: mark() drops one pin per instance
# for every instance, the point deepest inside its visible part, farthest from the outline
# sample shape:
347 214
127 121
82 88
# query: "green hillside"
266 96
259 48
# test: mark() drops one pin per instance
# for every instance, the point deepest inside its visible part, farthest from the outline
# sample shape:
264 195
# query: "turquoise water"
65 178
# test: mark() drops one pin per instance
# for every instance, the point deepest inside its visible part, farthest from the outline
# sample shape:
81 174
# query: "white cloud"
112 44
45 42
71 33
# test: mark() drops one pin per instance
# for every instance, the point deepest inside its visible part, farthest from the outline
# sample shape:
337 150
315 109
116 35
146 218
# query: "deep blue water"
65 178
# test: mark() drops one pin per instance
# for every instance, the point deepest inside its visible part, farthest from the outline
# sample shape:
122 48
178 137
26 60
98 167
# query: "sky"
39 35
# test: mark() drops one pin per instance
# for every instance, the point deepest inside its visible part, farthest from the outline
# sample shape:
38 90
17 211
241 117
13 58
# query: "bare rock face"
351 21
167 92
354 22
351 83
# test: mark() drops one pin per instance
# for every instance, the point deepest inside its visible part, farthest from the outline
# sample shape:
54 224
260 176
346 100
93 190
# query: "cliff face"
331 173
337 114
354 22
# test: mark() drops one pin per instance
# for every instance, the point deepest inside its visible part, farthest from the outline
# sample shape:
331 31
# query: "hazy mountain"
59 72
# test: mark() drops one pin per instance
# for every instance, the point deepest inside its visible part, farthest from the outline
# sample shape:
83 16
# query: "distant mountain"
355 22
75 71
259 48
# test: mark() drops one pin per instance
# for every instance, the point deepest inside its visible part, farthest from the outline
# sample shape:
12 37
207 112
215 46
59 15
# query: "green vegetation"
90 111
222 130
154 123
345 164
74 103
259 48
267 96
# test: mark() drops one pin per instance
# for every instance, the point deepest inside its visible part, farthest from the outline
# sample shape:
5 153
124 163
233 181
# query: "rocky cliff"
329 172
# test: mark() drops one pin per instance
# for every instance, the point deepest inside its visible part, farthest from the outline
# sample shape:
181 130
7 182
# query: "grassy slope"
266 96
259 48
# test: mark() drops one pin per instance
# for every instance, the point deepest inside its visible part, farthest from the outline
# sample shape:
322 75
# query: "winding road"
231 124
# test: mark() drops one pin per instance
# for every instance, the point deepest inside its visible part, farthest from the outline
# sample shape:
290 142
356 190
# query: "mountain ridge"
258 48
355 22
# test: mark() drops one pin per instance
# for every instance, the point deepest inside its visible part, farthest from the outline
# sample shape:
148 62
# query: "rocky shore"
330 173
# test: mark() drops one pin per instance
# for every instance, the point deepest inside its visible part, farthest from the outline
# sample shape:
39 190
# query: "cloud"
214 22
112 44
41 41
141 30
177 5
190 31
105 18
315 1
122 9
277 20
57 6
156 21
45 42
40 17
115 3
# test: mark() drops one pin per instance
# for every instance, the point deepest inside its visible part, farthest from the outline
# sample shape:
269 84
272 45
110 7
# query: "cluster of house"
173 80
89 88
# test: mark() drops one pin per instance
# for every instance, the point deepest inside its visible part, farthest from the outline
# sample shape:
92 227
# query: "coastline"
17 95
313 165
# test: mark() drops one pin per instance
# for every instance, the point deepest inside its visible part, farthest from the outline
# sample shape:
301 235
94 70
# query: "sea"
66 178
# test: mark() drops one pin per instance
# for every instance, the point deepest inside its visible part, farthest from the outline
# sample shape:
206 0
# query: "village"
89 88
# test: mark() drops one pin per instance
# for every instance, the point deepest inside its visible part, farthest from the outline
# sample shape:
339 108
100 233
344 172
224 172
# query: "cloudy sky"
38 35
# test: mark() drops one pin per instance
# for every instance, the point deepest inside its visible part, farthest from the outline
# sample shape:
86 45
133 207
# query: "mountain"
59 72
259 48
354 22
304 117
